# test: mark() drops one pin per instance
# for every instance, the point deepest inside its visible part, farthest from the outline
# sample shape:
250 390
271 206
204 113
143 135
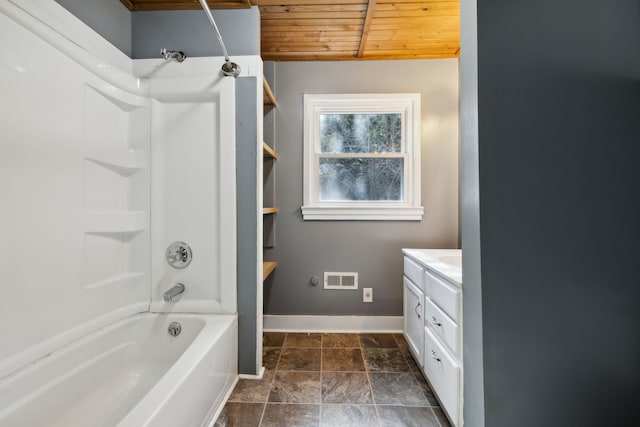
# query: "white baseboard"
253 377
379 324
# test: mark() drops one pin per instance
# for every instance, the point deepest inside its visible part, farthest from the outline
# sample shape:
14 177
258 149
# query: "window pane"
361 179
361 133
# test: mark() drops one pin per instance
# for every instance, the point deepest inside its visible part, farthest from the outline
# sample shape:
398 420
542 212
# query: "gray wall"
559 101
371 248
111 19
191 32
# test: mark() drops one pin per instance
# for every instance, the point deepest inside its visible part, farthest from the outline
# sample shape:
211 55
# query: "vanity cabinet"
432 286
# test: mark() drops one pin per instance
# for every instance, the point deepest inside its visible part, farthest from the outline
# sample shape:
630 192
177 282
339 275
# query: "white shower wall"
100 171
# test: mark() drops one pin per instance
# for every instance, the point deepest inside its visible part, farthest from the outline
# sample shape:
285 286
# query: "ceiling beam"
365 27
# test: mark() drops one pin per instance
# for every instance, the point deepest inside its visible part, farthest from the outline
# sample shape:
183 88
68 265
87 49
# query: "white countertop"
445 262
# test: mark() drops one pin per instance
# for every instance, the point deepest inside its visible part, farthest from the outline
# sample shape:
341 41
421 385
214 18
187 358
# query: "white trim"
380 324
407 209
253 377
357 213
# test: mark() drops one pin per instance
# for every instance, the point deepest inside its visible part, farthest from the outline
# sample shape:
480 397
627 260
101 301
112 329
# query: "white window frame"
408 209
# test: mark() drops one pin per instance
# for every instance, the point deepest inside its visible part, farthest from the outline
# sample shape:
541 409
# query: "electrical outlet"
367 294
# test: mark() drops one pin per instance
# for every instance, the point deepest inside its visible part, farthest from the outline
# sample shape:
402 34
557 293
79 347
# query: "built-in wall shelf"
268 97
267 269
128 222
268 152
267 211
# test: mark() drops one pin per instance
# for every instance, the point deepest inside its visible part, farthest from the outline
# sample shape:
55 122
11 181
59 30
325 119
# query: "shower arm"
229 68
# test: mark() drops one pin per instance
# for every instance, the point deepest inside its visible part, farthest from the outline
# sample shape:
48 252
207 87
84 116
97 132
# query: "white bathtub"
129 374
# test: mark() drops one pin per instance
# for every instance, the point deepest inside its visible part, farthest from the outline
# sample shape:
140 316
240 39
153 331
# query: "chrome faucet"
173 293
178 55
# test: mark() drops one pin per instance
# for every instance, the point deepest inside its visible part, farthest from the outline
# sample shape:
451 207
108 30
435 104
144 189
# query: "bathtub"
132 373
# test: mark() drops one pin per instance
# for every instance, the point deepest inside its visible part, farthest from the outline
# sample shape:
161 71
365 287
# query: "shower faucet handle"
178 255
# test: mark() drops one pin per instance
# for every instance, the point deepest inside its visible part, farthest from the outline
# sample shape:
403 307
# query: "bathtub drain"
174 329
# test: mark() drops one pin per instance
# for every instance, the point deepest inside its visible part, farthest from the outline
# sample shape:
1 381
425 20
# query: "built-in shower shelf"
125 162
125 101
267 269
124 279
268 152
116 222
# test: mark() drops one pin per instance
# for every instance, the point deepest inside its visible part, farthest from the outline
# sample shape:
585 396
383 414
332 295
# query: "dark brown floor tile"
405 416
273 339
252 390
378 341
385 360
340 341
348 416
303 340
236 414
346 387
401 341
342 359
426 389
397 389
442 418
271 356
295 387
413 365
282 415
300 359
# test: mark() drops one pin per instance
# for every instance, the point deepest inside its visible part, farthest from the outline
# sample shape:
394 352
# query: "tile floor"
334 380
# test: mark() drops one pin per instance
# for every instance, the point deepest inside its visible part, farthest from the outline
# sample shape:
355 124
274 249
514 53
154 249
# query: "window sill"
357 213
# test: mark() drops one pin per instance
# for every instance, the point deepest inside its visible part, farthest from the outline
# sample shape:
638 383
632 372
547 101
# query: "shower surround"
107 161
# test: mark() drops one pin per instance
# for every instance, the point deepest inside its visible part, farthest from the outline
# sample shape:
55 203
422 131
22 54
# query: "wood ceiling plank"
301 28
305 2
371 7
313 15
284 9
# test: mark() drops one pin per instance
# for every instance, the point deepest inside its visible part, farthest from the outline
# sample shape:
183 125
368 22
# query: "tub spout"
173 293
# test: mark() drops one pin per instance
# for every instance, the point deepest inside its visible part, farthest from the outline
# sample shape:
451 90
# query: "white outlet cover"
367 294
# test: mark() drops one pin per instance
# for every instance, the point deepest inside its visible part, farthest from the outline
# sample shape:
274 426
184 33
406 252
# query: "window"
362 157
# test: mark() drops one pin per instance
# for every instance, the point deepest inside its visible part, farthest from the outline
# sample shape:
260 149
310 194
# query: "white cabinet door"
414 319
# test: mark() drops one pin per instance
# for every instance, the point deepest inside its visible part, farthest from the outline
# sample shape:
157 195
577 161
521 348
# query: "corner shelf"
268 97
267 269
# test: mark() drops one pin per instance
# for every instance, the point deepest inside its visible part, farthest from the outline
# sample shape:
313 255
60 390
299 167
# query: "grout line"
273 378
366 370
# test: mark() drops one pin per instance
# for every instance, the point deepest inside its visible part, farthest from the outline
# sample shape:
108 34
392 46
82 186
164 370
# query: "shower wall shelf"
125 222
123 161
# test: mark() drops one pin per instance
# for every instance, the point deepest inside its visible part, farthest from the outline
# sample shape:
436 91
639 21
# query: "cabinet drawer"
442 326
443 372
414 272
445 295
413 319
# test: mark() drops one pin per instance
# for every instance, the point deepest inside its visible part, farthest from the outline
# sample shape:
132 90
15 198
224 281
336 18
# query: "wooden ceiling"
312 30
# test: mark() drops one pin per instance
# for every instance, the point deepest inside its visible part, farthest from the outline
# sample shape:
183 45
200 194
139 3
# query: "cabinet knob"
435 321
416 310
435 356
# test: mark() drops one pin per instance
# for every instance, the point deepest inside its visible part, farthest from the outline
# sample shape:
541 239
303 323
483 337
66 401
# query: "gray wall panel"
191 32
559 211
246 182
110 19
371 248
